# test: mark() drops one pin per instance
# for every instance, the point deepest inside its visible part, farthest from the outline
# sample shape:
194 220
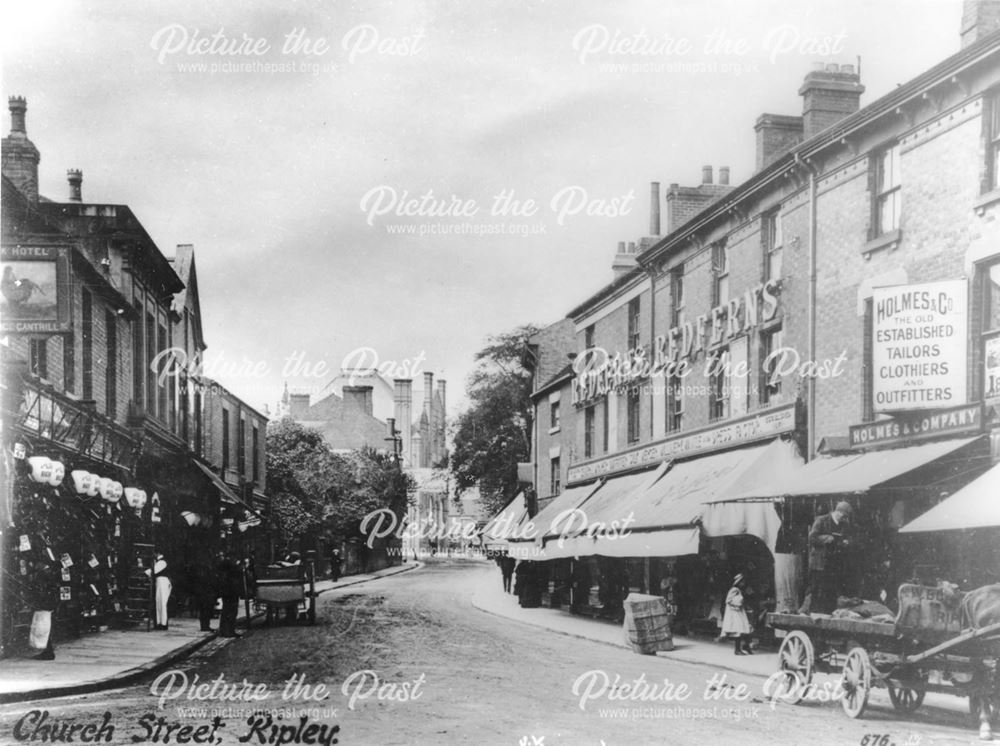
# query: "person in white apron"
163 587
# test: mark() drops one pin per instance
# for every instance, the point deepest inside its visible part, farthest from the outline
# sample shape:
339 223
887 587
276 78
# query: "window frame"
991 140
555 475
634 323
884 194
555 415
38 357
772 243
674 405
676 295
111 367
720 387
632 415
720 272
766 390
589 431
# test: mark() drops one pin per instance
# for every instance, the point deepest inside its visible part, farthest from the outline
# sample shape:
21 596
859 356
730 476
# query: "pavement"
115 658
718 655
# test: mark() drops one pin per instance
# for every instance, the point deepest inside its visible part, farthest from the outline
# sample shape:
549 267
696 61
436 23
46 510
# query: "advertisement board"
919 345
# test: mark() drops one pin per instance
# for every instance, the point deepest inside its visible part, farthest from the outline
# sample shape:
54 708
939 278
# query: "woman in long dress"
735 623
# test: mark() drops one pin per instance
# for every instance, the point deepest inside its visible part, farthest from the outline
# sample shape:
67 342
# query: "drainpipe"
811 305
652 341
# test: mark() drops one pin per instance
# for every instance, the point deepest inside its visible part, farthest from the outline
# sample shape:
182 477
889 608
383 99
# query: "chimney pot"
621 247
706 174
724 175
75 179
18 106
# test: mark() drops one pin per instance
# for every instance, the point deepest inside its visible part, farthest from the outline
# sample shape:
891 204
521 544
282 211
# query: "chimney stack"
776 133
979 18
442 386
706 174
298 406
75 179
19 155
361 396
624 260
402 402
829 93
428 393
723 175
654 208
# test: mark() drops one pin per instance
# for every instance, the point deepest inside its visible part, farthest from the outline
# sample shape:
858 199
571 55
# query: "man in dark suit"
827 538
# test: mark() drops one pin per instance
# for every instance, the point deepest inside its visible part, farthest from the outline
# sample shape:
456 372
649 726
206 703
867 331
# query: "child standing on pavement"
735 623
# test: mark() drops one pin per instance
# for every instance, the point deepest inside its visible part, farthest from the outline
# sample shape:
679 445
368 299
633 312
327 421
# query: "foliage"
494 433
313 489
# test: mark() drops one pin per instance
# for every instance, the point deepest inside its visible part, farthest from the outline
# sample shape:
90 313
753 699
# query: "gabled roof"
20 217
183 264
344 425
566 374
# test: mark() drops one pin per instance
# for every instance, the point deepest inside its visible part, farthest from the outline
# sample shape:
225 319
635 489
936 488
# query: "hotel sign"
34 291
910 427
760 426
919 341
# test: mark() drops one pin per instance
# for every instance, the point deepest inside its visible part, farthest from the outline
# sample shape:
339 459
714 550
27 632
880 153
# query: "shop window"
111 366
554 415
720 273
555 481
675 403
770 380
588 337
38 350
633 324
887 191
771 242
633 415
991 132
588 432
87 338
676 295
606 424
719 385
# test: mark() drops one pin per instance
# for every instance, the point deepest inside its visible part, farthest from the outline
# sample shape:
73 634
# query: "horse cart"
290 589
923 650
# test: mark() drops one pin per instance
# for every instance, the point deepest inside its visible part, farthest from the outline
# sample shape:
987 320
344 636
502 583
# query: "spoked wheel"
796 659
904 699
856 682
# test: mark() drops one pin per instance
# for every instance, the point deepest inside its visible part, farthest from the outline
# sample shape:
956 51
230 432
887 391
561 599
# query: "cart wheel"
795 659
856 682
906 700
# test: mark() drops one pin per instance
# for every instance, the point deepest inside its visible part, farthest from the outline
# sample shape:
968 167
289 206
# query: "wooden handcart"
922 651
290 590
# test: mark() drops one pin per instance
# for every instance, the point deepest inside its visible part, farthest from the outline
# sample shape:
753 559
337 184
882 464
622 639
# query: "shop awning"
505 524
545 523
977 505
564 534
852 474
226 493
666 509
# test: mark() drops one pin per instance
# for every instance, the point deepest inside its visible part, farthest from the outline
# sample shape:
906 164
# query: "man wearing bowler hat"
827 538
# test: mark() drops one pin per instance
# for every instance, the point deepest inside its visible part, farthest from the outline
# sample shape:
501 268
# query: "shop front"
649 523
890 472
72 515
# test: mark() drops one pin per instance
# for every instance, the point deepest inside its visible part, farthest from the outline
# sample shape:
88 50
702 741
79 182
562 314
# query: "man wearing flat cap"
827 539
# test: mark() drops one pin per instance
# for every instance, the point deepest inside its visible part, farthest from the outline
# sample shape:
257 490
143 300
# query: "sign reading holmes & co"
910 427
759 426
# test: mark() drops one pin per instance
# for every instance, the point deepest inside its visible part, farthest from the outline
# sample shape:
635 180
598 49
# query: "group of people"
225 580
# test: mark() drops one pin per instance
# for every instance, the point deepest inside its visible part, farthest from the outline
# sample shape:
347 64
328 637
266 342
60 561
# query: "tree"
315 490
494 433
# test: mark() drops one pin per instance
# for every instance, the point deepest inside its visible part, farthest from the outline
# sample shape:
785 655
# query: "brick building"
103 418
825 329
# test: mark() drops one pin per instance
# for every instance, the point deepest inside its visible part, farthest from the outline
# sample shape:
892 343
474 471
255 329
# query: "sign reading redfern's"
919 343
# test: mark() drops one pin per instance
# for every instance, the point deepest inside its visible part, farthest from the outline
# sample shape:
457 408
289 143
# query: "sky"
392 182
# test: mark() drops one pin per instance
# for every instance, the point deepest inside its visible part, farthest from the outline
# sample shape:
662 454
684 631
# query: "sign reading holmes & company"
919 340
910 427
759 426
